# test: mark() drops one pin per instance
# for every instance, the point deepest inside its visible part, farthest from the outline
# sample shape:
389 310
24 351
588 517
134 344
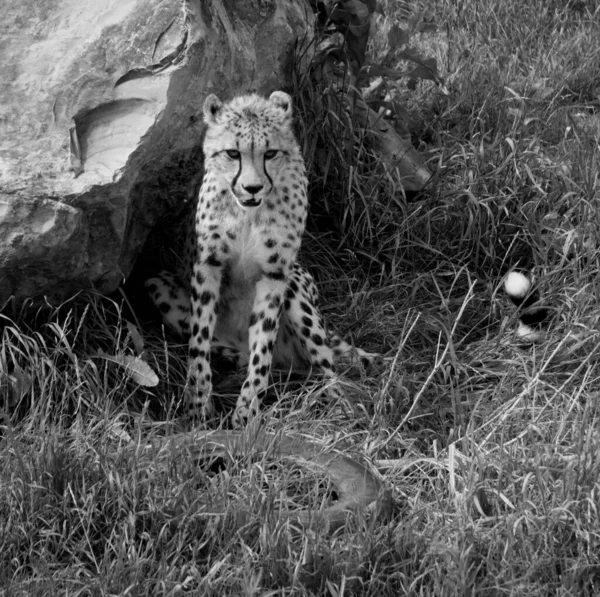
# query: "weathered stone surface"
100 126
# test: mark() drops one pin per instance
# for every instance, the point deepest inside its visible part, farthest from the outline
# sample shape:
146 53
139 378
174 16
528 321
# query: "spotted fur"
247 296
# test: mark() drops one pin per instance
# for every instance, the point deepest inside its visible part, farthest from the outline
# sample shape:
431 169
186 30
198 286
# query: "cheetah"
533 316
247 296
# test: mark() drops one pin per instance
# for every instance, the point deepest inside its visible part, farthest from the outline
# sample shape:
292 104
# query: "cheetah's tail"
533 318
346 354
172 300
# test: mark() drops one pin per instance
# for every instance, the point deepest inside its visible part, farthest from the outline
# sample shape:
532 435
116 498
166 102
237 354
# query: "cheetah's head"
249 143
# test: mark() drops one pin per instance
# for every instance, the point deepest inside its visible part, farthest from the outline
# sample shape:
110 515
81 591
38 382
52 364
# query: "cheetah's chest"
242 270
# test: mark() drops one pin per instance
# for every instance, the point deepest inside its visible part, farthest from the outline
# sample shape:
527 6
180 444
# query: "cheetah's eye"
270 154
234 154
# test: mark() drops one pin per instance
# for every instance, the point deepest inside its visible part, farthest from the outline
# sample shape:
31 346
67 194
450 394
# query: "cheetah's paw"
246 409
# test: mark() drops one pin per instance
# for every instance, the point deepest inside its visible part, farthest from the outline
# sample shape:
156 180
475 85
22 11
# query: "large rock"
100 124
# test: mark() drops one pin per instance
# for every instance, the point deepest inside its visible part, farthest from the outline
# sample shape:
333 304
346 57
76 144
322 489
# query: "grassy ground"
490 451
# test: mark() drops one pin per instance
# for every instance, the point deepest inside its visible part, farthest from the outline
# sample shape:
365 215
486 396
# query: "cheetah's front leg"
205 285
262 334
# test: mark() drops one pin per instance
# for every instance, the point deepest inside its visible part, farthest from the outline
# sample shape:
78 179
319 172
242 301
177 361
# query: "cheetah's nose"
253 189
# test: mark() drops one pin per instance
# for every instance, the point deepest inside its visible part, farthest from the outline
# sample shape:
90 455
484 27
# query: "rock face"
100 126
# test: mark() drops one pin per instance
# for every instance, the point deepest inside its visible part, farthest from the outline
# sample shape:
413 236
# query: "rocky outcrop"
100 125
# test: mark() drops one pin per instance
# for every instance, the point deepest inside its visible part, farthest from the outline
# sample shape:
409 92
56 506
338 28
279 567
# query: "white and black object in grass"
533 318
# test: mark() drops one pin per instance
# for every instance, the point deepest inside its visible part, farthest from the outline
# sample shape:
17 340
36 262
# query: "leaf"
426 71
357 39
136 338
138 369
426 67
398 37
135 367
371 5
339 16
357 8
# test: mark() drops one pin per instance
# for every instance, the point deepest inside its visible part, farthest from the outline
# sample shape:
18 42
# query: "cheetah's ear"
282 100
212 106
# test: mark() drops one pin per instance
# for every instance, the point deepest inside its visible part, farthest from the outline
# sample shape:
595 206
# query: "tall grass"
490 450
